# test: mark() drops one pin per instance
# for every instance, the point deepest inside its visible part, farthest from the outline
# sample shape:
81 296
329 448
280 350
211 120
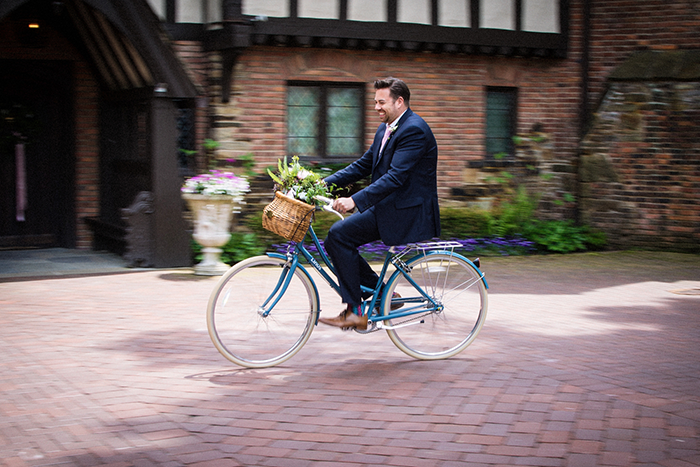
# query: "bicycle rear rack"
425 246
446 245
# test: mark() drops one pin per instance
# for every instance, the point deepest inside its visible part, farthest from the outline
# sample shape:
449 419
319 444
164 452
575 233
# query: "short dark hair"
397 88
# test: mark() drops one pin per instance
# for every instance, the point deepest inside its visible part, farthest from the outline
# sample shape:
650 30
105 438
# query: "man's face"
389 108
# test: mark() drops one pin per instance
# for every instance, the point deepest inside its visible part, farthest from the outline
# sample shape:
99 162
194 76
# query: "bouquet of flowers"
298 182
218 183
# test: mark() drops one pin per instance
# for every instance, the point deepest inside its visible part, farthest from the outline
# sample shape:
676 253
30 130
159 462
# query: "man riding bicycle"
399 206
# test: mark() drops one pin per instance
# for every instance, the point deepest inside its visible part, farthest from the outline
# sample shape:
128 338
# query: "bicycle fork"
281 286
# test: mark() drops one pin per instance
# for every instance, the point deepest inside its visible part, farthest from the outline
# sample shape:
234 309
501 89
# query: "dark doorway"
36 101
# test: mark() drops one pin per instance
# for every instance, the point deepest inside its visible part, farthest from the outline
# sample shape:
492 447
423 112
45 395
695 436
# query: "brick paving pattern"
585 360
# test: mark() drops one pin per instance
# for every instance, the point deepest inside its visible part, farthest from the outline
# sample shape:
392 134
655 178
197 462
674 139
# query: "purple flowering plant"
501 246
217 182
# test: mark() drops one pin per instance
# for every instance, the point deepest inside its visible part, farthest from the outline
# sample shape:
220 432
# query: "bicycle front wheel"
460 293
244 328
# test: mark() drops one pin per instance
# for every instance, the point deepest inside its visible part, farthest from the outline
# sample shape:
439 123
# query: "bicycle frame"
372 308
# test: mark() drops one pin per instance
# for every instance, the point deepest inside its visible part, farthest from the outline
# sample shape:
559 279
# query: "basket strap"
296 229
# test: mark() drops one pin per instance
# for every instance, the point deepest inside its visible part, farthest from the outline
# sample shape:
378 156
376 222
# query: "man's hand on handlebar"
343 205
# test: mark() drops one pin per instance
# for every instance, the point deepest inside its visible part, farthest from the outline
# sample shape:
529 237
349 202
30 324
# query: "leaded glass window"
325 119
303 104
500 120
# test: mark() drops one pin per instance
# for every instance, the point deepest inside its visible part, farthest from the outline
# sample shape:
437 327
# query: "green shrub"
464 222
563 236
506 229
512 216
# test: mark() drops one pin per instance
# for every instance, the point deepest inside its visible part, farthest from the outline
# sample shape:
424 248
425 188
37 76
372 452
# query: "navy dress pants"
341 244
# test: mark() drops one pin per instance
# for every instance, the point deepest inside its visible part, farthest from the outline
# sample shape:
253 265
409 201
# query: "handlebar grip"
325 200
329 205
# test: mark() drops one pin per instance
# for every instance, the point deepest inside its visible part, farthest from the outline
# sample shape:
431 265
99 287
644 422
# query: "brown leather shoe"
354 321
346 319
337 321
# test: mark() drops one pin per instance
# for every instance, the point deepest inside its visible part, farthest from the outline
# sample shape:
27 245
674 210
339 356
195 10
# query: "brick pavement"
585 360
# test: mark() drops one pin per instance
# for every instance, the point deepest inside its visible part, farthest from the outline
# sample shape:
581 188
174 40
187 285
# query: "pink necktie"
387 133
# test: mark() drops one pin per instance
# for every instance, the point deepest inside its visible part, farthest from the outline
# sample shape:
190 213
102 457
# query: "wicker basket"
287 217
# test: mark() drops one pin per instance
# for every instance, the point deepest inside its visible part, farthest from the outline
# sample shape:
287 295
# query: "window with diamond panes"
344 122
303 105
325 120
500 120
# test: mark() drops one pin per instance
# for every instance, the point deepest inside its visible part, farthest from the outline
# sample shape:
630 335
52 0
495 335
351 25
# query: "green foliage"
513 219
503 178
507 229
299 182
464 222
322 223
563 236
210 144
513 215
516 217
187 152
247 162
519 140
569 198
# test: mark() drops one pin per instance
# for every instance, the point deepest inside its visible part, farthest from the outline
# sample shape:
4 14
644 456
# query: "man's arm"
411 145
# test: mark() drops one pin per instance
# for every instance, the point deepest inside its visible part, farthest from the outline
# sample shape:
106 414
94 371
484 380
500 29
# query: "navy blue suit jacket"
403 190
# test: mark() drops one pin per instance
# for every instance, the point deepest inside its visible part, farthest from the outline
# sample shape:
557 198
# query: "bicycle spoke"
242 331
457 289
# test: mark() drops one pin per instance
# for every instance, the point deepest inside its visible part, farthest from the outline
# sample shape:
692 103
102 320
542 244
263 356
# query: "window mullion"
323 121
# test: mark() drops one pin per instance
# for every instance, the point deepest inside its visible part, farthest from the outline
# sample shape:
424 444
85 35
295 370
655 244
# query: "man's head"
391 98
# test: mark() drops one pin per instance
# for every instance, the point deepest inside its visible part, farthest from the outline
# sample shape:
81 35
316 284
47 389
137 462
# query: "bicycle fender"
306 273
483 277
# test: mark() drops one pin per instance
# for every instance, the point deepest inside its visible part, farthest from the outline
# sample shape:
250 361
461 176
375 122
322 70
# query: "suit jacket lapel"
380 154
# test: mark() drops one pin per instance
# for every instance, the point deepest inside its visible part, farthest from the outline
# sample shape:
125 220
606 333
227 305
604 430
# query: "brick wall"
448 91
621 27
87 176
198 66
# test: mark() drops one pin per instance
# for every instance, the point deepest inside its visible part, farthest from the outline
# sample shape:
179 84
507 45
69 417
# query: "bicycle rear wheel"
461 294
240 328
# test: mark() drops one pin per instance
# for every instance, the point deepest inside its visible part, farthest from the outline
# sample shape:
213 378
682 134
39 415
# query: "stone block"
597 167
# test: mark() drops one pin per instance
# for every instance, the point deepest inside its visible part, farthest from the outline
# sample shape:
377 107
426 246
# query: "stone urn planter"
212 197
212 229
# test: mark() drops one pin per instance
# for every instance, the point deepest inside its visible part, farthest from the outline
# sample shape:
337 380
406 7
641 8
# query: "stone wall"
640 166
620 28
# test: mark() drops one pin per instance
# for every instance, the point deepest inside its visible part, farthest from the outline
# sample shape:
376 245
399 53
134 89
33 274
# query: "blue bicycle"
432 306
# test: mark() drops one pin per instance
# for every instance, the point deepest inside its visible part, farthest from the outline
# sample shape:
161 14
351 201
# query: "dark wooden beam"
172 245
392 8
474 13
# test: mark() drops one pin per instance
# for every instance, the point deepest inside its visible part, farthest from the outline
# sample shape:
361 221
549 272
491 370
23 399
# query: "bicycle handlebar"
328 206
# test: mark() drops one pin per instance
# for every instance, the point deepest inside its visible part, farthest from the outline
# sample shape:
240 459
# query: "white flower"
218 183
303 173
